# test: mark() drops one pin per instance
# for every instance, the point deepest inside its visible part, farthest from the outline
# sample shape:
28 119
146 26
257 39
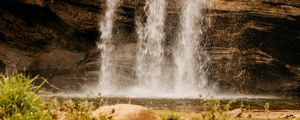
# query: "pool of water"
190 104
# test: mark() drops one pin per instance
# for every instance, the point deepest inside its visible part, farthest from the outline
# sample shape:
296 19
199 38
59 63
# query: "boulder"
125 112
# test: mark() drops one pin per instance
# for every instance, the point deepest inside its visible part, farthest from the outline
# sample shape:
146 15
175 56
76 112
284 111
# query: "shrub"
18 100
173 117
70 110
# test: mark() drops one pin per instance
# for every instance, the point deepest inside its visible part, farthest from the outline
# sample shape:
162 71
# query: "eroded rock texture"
254 45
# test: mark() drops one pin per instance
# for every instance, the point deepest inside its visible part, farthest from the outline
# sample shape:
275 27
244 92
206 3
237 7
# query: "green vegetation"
213 110
169 116
70 110
18 101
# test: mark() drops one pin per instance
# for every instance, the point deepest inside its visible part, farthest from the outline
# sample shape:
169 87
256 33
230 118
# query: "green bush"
18 100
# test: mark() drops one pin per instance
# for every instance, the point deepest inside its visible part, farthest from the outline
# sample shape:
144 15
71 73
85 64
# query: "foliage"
70 110
18 99
214 111
267 107
172 117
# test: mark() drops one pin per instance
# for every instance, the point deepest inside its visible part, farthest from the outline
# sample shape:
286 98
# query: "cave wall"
254 46
41 40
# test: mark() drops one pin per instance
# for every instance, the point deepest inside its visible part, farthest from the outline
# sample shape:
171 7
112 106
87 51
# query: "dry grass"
18 101
167 115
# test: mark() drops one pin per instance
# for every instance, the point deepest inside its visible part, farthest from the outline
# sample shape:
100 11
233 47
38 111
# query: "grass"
18 101
70 110
213 110
169 115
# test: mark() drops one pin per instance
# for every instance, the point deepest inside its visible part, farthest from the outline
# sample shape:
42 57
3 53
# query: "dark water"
194 104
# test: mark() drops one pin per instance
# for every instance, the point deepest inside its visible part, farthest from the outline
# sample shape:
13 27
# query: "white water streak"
106 47
151 52
186 53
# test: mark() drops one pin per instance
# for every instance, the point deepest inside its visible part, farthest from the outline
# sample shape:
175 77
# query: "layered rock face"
254 46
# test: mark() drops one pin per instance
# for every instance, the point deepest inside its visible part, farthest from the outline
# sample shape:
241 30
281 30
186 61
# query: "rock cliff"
254 45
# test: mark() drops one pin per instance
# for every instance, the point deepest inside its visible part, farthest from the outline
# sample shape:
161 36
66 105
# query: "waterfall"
106 46
152 65
150 54
189 76
188 54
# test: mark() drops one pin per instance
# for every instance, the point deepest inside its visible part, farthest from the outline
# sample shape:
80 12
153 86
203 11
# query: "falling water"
190 76
106 46
187 71
151 52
